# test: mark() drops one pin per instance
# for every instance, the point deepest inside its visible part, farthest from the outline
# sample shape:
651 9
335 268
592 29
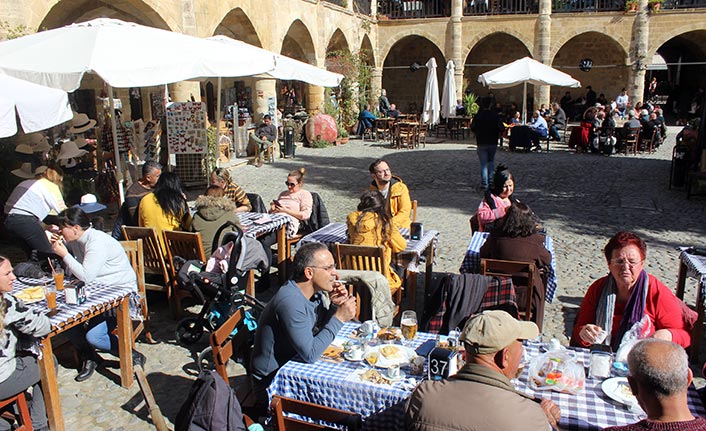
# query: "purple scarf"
633 313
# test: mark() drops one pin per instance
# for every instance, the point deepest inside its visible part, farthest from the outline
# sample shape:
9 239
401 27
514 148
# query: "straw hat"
80 141
89 204
25 171
70 150
24 149
39 143
80 123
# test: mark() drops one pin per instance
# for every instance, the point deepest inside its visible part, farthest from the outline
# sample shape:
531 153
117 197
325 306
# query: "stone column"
264 88
373 7
638 53
542 44
376 82
349 5
314 99
456 44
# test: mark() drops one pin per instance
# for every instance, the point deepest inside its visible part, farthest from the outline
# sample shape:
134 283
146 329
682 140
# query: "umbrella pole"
524 102
114 131
218 124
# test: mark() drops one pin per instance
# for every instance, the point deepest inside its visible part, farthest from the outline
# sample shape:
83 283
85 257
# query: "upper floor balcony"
406 9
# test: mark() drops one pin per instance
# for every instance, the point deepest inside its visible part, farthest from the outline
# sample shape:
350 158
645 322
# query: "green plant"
14 32
631 5
354 90
470 104
320 143
342 133
212 135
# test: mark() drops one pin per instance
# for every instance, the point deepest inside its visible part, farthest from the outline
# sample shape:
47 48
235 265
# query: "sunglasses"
290 184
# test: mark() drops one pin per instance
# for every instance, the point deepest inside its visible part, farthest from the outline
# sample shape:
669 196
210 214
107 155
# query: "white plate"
405 355
618 389
401 376
348 358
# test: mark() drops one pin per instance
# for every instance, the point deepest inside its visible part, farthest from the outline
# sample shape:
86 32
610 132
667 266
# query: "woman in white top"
295 202
29 204
93 256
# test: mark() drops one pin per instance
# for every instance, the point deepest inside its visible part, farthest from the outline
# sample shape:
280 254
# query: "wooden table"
258 224
100 298
694 266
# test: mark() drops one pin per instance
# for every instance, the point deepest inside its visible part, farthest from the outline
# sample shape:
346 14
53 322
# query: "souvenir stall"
187 141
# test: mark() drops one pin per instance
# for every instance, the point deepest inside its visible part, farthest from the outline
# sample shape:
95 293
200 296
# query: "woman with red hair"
618 301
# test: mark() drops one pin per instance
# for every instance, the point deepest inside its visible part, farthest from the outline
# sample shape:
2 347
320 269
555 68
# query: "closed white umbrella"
37 106
432 108
526 71
448 92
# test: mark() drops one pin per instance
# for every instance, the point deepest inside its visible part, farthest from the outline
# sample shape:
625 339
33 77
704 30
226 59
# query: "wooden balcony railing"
500 7
565 6
401 9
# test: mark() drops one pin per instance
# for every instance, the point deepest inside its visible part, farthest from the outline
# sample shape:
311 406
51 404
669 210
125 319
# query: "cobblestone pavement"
582 200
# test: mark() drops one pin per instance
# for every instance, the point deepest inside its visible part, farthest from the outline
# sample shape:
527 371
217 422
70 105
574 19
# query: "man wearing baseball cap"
480 396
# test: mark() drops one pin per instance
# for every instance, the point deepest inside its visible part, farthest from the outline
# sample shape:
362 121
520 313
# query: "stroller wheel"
205 360
188 331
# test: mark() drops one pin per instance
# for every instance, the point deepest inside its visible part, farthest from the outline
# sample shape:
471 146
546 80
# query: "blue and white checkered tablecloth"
592 409
96 295
253 229
471 261
381 406
410 257
695 268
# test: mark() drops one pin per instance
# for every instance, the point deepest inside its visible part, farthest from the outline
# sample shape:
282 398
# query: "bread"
391 352
34 293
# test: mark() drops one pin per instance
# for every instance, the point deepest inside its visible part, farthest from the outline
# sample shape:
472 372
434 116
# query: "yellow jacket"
370 233
400 204
150 214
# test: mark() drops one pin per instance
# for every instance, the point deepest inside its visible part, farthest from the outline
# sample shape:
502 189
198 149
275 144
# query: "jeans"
26 374
554 132
486 155
98 335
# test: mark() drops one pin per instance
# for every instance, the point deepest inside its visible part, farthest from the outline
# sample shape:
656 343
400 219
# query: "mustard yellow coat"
370 233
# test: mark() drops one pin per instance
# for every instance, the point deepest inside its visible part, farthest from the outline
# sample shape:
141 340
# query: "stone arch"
337 42
608 74
405 87
481 36
564 37
686 79
657 39
367 47
66 12
237 25
489 52
298 43
434 39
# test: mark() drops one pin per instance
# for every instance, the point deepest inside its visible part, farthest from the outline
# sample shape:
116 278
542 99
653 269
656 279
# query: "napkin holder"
75 292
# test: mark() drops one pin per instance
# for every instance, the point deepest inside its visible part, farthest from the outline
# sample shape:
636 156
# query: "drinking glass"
50 294
59 278
408 324
372 358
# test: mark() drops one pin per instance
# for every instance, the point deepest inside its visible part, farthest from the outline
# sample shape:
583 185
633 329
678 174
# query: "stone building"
394 34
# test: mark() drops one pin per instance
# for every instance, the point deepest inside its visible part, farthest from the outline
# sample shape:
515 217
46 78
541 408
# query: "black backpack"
210 406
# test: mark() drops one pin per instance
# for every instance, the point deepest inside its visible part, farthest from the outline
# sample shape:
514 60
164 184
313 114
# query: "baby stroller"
221 294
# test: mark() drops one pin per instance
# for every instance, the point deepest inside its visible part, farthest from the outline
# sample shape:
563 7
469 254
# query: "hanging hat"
25 171
80 123
89 204
80 141
24 149
39 143
69 150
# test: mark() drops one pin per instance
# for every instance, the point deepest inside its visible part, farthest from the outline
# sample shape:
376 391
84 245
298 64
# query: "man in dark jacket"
559 122
265 136
487 127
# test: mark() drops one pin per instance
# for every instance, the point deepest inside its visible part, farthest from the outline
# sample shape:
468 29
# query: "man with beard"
395 192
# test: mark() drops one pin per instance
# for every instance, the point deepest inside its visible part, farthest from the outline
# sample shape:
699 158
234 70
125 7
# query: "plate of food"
618 389
392 354
390 335
31 294
333 353
369 376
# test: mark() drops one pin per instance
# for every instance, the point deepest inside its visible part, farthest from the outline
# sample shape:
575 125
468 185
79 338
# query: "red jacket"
661 305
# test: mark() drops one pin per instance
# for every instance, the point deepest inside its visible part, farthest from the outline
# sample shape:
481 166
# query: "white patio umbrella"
448 92
526 71
60 57
431 109
38 107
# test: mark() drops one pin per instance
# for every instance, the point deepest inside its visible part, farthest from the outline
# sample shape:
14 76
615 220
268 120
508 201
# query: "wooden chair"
188 246
281 405
153 259
522 274
422 131
224 344
382 129
405 135
365 258
632 138
135 255
647 143
413 213
23 419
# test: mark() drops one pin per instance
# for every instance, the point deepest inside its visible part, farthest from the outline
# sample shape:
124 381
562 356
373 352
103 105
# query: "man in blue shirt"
296 321
538 130
366 120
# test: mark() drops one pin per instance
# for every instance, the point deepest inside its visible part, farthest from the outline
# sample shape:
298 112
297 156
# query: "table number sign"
442 363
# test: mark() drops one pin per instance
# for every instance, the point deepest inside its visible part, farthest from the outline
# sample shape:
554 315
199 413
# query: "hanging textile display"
187 141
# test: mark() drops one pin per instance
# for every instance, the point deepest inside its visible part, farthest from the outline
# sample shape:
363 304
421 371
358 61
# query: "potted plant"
342 136
655 5
631 5
470 104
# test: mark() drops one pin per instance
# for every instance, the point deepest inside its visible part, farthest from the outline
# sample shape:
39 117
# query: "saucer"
396 379
348 358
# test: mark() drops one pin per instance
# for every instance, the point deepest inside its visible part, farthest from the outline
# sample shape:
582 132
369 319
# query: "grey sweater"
19 319
292 325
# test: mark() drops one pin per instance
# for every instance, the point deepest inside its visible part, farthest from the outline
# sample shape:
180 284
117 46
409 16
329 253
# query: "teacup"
354 352
393 372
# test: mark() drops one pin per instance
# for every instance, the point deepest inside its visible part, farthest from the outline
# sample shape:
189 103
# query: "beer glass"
408 324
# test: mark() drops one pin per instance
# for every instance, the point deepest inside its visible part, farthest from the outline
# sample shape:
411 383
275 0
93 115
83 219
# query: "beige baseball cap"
493 330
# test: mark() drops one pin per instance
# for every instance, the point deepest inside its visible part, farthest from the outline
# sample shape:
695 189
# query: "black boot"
89 366
138 359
